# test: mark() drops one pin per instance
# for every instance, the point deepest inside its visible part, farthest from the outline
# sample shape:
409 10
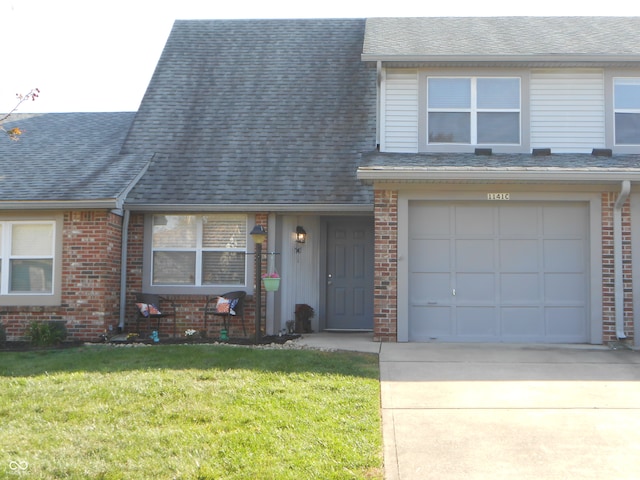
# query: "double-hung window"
626 93
473 110
199 250
27 257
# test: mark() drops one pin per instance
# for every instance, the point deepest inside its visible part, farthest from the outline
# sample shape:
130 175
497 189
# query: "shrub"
44 334
3 335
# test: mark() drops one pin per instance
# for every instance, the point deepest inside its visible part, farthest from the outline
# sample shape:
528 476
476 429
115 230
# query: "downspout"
123 270
617 258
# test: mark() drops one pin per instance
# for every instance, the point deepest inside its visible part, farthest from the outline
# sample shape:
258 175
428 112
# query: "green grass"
189 412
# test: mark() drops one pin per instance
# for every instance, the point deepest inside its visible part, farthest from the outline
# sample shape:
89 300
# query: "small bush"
45 334
3 335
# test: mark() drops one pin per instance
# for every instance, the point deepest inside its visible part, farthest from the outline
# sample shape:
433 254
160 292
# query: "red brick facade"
608 269
385 283
90 279
189 308
91 257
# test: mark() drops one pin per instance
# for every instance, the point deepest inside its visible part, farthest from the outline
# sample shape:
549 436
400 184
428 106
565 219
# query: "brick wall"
189 308
608 270
90 279
385 288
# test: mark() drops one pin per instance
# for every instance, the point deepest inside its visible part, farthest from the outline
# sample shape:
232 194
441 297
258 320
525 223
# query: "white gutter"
617 258
484 174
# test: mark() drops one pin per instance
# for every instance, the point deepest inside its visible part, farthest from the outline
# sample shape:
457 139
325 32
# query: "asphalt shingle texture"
257 112
67 156
503 36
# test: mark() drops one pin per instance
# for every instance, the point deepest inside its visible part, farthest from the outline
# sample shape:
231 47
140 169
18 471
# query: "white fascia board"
483 175
499 58
98 204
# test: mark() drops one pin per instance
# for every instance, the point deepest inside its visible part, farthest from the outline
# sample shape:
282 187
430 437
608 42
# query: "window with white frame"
626 93
199 250
27 257
473 110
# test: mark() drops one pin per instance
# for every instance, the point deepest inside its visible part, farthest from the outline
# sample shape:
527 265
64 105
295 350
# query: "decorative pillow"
147 309
223 305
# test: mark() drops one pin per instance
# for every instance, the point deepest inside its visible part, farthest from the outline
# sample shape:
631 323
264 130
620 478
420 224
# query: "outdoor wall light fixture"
301 235
301 238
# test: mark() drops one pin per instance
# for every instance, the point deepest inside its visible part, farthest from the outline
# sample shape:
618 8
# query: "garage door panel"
519 256
521 323
476 288
563 219
476 322
564 288
430 287
425 222
474 256
564 255
474 220
430 255
520 288
566 324
430 322
521 221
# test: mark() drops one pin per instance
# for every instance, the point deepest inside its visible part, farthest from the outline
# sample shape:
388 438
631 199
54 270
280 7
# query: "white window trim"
198 287
473 110
622 110
28 298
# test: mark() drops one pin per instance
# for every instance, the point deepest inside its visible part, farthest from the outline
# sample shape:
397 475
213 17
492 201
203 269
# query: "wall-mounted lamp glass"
301 235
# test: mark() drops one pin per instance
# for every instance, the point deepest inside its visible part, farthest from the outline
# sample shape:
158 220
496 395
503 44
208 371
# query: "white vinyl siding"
399 127
567 111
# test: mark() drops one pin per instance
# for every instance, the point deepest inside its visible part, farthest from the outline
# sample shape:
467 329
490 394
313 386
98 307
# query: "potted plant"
271 281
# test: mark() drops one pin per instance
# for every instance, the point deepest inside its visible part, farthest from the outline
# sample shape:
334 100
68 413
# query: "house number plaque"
498 196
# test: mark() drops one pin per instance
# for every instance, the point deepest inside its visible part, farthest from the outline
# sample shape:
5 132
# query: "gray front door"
349 271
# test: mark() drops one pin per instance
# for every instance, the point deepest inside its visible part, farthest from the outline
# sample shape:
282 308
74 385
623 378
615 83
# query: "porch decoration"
271 281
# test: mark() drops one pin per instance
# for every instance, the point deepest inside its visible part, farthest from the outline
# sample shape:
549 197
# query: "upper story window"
27 257
199 250
626 92
473 110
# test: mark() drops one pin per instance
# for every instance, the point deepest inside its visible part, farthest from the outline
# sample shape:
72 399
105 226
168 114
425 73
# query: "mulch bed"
23 346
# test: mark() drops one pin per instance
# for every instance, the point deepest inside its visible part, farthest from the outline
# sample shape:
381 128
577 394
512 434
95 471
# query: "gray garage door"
507 272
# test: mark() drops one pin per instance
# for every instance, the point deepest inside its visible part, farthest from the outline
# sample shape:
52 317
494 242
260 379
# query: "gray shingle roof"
67 157
257 112
435 37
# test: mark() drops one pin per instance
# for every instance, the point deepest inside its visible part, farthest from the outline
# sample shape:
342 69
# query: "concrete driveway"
454 411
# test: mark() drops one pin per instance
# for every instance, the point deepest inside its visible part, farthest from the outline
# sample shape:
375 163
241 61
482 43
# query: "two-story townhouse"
505 182
458 179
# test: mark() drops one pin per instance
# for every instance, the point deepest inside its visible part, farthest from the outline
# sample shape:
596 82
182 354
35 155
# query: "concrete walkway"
478 411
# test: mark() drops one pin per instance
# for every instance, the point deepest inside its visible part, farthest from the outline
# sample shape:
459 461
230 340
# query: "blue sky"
94 55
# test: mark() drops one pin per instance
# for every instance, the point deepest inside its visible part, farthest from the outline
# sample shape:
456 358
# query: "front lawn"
189 412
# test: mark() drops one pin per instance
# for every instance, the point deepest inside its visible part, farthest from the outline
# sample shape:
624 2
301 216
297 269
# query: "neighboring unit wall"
608 270
567 110
90 280
385 312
